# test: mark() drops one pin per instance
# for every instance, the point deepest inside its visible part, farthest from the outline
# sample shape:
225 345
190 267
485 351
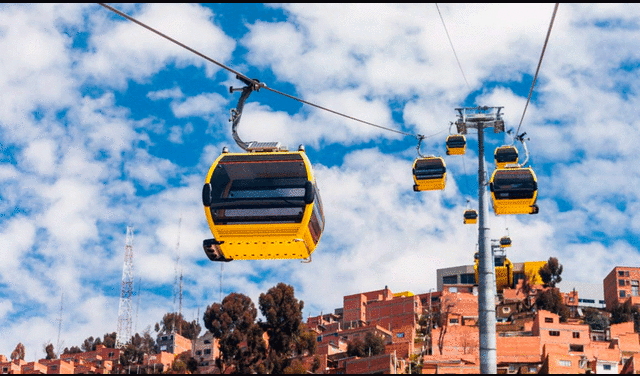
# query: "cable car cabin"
429 174
456 144
470 217
505 155
262 205
514 191
505 242
503 272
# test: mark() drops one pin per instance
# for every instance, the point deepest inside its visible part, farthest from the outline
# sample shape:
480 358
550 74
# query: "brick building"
620 285
174 343
398 314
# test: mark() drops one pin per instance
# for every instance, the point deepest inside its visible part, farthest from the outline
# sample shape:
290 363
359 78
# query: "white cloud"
77 146
127 51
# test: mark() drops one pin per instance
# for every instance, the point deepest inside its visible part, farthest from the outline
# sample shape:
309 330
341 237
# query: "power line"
451 44
245 78
535 77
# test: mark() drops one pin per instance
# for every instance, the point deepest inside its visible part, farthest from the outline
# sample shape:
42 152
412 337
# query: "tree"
18 353
283 315
371 345
175 322
626 312
233 323
48 349
72 350
551 300
595 319
90 343
295 368
109 340
550 273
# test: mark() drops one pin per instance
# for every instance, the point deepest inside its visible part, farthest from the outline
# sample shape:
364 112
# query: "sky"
104 125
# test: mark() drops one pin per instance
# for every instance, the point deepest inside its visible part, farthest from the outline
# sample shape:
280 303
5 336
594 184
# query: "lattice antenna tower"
124 312
177 284
60 323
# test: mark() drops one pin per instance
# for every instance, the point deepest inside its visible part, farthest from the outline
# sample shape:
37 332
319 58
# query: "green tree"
295 368
233 323
551 300
283 323
72 350
626 312
550 273
595 319
49 351
18 352
175 322
371 345
109 340
316 364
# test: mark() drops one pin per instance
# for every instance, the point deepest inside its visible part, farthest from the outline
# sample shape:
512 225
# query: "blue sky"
104 124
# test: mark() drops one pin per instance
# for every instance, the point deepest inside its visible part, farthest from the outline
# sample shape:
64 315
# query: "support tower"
124 312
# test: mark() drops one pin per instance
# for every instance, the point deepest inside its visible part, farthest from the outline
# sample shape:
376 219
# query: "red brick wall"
374 364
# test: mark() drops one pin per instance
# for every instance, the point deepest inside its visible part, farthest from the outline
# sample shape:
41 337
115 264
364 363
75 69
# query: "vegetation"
18 353
626 313
232 322
175 323
49 351
550 273
371 345
551 300
595 319
284 325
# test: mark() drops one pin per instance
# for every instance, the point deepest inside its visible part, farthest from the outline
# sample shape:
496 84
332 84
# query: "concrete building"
591 295
622 284
206 350
466 274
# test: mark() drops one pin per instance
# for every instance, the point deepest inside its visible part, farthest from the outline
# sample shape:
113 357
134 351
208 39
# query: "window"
453 321
198 352
207 351
626 273
400 335
564 363
576 348
620 273
450 280
469 279
621 282
111 354
576 334
635 288
54 367
606 367
554 333
548 319
622 294
5 370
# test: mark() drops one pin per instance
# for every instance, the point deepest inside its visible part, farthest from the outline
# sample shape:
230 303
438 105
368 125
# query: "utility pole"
480 118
